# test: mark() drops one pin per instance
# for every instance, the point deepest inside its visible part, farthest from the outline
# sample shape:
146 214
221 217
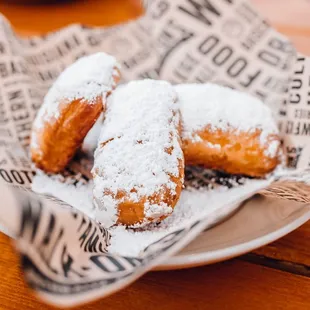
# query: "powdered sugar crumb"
156 211
272 150
222 108
141 123
212 145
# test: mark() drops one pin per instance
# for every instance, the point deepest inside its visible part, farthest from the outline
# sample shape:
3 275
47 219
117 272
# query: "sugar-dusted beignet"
70 109
139 167
227 130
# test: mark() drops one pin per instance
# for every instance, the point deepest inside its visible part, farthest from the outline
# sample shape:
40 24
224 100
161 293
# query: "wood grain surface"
29 19
294 248
244 283
234 284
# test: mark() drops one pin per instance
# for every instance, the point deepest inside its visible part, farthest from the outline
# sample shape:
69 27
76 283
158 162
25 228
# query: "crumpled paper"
64 253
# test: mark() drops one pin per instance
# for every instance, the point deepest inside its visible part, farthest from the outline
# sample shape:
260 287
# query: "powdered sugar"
289 174
87 78
91 140
273 148
223 108
194 204
140 126
79 196
156 211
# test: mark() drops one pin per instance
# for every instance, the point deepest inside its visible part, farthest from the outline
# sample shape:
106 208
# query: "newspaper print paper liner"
226 42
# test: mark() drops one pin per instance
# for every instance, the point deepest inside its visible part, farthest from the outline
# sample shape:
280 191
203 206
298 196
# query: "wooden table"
273 277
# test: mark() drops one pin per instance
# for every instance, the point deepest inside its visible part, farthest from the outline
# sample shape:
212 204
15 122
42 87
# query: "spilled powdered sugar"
222 108
87 78
296 175
193 204
141 124
77 195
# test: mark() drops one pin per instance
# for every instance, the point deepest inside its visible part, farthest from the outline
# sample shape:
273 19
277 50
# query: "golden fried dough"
139 166
227 130
70 109
231 151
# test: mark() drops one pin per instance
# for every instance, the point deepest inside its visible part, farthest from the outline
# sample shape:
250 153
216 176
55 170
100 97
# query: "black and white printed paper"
64 252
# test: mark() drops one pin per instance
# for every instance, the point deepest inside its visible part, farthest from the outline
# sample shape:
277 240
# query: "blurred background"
33 16
291 17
